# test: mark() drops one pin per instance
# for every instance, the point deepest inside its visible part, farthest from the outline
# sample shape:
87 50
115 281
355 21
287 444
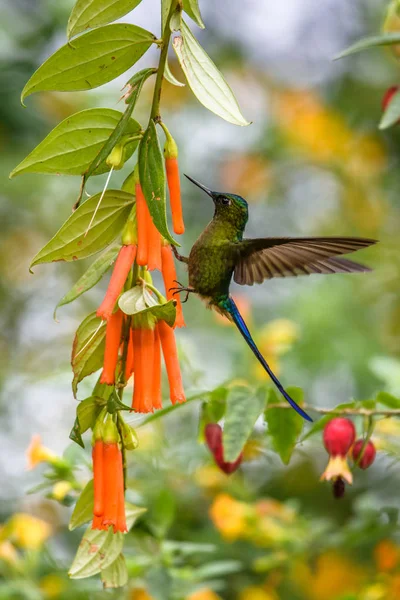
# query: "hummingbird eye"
225 201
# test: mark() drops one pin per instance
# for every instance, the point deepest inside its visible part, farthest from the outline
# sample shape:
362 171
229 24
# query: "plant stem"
366 412
166 36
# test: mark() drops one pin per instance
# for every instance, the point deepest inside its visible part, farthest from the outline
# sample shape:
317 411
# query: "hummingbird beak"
201 186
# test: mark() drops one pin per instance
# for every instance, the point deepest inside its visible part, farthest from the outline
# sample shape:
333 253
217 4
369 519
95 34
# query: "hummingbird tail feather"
233 310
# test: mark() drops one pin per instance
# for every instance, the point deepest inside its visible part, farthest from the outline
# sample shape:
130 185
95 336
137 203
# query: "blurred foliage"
313 162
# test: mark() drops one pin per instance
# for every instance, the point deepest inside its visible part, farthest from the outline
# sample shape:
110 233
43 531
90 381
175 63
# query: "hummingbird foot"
178 256
181 288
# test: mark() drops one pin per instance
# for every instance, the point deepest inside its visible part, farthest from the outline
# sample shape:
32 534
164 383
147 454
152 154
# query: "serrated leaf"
132 513
388 400
88 14
133 302
116 574
205 80
87 349
191 7
373 41
75 433
392 112
70 148
91 60
320 424
87 412
97 550
70 242
83 511
170 77
92 276
243 407
152 179
284 426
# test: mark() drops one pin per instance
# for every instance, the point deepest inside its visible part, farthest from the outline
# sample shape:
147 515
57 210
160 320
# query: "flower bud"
129 438
110 431
368 456
339 435
116 157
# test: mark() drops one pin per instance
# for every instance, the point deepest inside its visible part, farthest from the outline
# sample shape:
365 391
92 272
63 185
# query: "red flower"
213 435
387 98
339 435
368 456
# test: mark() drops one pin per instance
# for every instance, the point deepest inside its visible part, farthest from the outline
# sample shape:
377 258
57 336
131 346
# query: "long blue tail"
231 307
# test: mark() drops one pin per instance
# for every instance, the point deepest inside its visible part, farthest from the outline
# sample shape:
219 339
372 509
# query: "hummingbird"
221 253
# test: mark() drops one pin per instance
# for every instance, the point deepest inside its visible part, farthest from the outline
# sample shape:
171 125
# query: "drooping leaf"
373 41
91 60
152 179
75 434
320 424
284 426
72 146
87 14
392 112
87 349
116 574
205 80
169 76
191 7
70 242
92 276
83 511
388 400
136 302
243 407
97 550
87 412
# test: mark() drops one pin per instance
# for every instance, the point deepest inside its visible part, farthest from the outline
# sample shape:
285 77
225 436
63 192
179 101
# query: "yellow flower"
257 593
26 531
60 490
337 467
8 553
204 594
52 586
140 594
386 554
210 477
37 453
229 516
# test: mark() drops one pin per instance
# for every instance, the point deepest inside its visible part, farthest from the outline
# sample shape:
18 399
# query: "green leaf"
73 145
91 60
70 242
165 8
92 276
205 80
388 400
171 77
75 433
116 574
97 550
191 7
152 179
83 511
373 41
132 513
137 301
88 14
87 349
284 426
392 112
243 407
135 84
320 424
87 412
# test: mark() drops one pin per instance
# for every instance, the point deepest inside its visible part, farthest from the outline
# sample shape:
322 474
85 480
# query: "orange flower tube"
154 255
137 400
170 354
174 186
98 483
143 216
129 357
121 518
113 339
146 366
156 383
169 278
110 483
123 264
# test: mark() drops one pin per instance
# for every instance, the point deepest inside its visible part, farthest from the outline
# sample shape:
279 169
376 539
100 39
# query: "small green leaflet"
116 574
87 14
191 8
170 77
152 179
165 8
72 146
75 434
284 426
137 301
388 400
91 60
392 112
97 550
83 511
87 412
92 276
87 349
243 407
205 80
70 242
373 41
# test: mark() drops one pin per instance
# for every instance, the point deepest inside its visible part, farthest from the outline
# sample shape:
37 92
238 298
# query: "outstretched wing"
265 258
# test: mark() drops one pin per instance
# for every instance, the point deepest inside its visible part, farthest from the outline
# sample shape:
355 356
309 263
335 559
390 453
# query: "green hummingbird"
221 252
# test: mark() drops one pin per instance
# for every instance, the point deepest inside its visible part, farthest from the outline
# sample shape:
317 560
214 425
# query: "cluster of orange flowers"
134 343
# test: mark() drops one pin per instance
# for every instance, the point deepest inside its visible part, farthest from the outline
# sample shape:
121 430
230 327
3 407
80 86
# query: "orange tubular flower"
138 384
129 366
154 252
143 400
174 184
97 456
170 354
121 517
121 270
143 216
169 277
156 388
113 338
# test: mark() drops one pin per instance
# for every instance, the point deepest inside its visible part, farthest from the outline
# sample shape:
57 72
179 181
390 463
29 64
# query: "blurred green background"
312 163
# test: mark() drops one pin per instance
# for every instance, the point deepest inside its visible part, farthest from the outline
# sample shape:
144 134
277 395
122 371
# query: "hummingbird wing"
264 258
